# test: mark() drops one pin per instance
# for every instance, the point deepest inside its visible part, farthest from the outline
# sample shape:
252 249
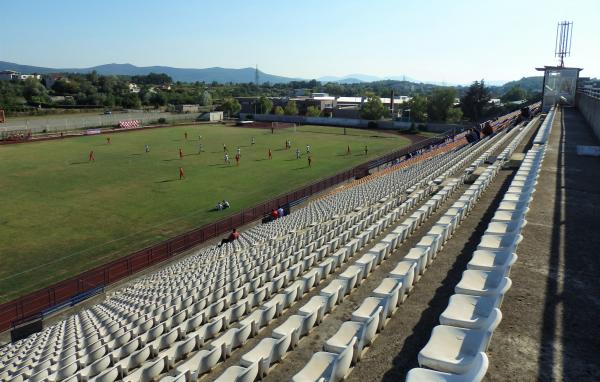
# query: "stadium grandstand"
311 296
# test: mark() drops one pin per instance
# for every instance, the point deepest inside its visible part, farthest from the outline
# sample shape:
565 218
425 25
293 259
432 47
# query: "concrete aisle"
550 329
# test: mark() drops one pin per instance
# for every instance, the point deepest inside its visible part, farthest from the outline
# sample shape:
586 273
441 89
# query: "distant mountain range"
225 75
222 75
358 78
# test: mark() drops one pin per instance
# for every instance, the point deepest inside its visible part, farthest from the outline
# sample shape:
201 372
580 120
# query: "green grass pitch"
62 215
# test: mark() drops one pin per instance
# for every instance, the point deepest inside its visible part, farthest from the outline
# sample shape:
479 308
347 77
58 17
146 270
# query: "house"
24 77
133 88
8 75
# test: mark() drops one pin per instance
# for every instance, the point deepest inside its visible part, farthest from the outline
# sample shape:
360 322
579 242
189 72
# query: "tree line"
156 90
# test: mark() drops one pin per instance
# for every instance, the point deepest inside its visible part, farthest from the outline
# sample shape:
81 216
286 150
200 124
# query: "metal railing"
592 92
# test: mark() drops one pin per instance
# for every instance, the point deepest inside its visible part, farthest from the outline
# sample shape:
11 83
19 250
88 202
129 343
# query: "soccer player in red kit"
181 174
91 157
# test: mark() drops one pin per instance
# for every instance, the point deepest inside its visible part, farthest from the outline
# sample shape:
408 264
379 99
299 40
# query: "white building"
133 88
8 75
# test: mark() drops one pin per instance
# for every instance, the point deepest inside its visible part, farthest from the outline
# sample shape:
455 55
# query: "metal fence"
36 302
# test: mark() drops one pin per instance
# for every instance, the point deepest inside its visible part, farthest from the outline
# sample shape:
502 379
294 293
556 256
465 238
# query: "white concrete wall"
590 109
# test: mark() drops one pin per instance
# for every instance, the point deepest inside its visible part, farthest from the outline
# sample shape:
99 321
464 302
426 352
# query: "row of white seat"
269 351
258 361
541 138
456 349
346 346
234 337
240 300
191 372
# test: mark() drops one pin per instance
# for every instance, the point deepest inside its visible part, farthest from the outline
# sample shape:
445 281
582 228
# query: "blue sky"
431 40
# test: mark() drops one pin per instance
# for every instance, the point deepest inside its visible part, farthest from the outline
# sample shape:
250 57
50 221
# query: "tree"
64 86
157 99
440 102
312 111
418 108
34 91
231 106
206 99
131 101
454 115
264 105
279 110
373 108
516 93
475 100
291 108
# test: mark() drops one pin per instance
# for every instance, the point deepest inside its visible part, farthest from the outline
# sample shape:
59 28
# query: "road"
65 122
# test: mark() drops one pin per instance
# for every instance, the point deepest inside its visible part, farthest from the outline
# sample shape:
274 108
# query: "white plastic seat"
235 338
96 367
202 361
475 374
239 374
483 283
295 326
364 332
471 312
166 339
432 243
367 262
147 372
452 349
514 205
178 351
420 256
267 352
337 288
441 232
109 375
135 359
507 216
448 221
508 241
402 231
181 377
381 250
492 260
406 271
392 239
508 227
369 307
353 275
317 304
325 366
410 224
390 289
326 266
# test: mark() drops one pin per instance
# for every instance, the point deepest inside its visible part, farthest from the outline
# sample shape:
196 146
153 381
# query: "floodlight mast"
562 44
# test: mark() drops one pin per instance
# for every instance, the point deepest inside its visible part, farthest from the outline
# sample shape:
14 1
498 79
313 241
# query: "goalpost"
283 125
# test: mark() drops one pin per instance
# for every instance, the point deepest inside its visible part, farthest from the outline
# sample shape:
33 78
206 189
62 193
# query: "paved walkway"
550 329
